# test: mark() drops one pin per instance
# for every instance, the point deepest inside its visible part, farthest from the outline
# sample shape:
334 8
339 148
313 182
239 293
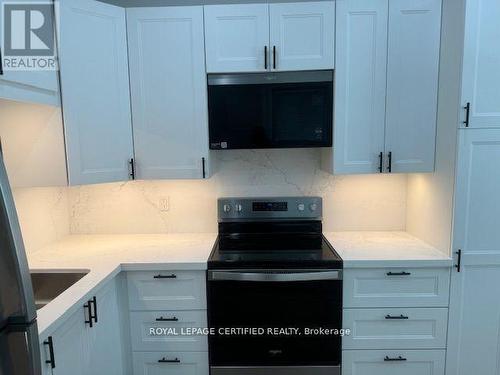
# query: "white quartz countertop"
385 249
104 256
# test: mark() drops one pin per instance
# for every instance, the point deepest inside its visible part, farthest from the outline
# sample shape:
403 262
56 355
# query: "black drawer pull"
399 358
172 276
162 319
398 273
400 317
52 360
164 360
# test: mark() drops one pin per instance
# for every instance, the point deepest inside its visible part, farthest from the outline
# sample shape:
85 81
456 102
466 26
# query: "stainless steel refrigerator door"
17 304
20 351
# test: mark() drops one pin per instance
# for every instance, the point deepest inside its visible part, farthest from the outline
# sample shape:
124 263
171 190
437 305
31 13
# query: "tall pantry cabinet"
474 324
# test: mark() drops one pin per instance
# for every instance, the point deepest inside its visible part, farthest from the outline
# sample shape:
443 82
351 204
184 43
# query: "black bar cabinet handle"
52 360
396 359
459 260
404 273
172 319
389 157
203 171
274 57
265 57
164 360
1 62
88 306
94 303
392 317
132 168
467 115
381 162
159 276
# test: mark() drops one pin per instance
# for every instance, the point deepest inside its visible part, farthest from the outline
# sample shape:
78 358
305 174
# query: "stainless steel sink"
48 285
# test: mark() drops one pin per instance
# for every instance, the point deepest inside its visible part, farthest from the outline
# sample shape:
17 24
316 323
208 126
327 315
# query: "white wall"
430 196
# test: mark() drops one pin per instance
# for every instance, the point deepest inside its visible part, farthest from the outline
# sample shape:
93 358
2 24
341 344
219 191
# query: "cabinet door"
71 346
412 83
360 82
481 75
95 91
474 324
378 362
169 91
150 363
302 35
105 337
237 37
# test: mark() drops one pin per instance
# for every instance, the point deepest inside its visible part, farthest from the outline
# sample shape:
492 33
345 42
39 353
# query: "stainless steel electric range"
274 287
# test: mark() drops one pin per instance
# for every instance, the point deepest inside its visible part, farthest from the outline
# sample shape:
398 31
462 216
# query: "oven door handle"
274 276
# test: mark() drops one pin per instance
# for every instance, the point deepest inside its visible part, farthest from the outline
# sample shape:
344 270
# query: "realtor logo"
28 36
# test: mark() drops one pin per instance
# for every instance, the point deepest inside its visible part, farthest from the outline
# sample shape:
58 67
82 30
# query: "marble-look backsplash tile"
43 215
365 202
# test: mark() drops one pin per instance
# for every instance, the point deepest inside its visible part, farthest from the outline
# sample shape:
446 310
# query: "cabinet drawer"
147 363
171 338
166 290
390 287
395 328
390 362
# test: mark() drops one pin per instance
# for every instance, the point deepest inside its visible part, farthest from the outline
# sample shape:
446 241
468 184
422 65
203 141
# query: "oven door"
270 110
303 300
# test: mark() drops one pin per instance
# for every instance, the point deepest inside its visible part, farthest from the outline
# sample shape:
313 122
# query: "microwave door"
16 295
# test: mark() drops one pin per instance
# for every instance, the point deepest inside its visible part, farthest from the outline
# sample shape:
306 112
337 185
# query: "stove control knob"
313 207
227 208
301 207
238 208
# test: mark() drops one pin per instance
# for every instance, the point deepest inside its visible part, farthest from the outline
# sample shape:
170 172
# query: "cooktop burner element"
272 233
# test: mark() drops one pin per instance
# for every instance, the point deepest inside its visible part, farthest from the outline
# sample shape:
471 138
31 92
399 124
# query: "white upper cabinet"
360 81
264 37
412 84
302 35
386 82
481 73
237 38
168 91
95 91
474 325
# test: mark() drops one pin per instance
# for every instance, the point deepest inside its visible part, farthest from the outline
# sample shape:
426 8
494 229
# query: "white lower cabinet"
169 302
416 328
166 290
396 287
105 337
79 349
393 362
172 363
146 329
70 346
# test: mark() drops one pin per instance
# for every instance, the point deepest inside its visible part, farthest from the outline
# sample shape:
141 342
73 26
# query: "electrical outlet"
164 204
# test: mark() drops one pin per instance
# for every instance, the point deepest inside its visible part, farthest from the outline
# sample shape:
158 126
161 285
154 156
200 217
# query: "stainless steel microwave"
270 110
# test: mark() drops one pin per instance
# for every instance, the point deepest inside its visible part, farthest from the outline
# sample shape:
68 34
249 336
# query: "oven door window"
306 304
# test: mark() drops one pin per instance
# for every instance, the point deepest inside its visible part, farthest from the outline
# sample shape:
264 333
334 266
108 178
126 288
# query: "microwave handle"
274 276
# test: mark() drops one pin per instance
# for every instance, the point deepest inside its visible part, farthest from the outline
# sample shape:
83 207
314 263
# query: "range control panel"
276 208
